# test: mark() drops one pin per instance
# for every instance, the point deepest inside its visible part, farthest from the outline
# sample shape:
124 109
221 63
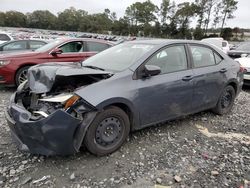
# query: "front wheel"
21 75
226 101
107 132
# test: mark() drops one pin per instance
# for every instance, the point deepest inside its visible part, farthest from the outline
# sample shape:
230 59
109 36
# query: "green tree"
2 19
200 9
164 10
209 9
70 18
229 7
141 13
42 19
227 33
15 19
183 15
217 14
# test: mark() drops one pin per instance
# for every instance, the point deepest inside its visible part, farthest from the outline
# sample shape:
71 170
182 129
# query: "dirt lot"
202 150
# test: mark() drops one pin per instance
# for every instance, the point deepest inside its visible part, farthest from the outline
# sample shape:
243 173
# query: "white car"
218 42
245 62
5 37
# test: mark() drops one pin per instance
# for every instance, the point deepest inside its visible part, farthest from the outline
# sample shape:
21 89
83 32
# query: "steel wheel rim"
226 99
22 76
109 132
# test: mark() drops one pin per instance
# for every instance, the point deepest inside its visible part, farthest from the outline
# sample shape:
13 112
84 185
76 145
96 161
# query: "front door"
169 94
74 51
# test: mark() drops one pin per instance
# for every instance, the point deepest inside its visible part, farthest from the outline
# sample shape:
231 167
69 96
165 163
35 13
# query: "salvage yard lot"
202 150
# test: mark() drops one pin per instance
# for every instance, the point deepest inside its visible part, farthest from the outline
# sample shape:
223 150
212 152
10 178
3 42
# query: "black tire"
226 101
21 74
97 141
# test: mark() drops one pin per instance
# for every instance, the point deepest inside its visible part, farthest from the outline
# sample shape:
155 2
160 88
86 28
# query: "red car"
13 67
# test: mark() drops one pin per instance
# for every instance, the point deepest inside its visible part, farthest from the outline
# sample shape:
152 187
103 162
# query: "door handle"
223 70
187 78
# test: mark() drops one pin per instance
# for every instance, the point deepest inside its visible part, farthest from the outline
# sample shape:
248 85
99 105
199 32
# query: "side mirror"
56 51
149 70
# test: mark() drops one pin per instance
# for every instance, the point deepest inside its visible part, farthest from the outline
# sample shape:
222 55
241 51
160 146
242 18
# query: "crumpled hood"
41 78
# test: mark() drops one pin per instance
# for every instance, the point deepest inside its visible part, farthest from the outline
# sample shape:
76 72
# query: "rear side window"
96 47
202 56
36 44
217 58
19 45
4 37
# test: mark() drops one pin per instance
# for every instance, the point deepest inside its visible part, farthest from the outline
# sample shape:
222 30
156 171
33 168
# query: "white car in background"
245 62
5 37
219 43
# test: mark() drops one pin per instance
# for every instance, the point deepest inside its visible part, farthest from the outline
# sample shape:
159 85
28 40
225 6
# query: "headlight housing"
4 62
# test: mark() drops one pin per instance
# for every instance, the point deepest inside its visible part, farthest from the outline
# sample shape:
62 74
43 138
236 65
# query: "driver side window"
170 59
72 47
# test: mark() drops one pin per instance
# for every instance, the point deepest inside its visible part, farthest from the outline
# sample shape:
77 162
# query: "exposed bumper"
58 134
7 76
247 79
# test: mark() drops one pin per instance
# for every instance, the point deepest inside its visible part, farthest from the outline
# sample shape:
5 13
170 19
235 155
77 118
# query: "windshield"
244 47
118 58
48 46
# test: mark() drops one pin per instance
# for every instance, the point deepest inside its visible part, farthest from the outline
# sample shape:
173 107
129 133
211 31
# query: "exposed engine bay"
42 99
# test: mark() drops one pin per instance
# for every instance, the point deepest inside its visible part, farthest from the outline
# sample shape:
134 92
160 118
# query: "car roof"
85 39
165 41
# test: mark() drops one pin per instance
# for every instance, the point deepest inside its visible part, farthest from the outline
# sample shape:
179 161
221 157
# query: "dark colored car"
236 52
13 67
125 88
20 45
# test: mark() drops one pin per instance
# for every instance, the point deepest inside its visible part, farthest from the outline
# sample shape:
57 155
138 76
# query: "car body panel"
243 48
47 136
245 62
26 48
147 100
21 59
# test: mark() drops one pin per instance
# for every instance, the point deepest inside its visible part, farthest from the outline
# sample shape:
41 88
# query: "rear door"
168 94
95 47
209 76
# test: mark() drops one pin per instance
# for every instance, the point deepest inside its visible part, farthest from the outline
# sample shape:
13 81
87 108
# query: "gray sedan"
98 102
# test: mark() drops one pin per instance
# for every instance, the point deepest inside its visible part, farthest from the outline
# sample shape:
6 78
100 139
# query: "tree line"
169 20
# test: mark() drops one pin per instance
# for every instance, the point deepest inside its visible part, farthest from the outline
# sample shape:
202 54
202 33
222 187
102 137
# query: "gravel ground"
201 150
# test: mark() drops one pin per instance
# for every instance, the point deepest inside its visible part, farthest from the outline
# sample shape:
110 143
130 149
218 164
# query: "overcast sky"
242 18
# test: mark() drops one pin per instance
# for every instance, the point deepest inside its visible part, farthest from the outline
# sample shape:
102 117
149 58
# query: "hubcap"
226 99
23 76
109 131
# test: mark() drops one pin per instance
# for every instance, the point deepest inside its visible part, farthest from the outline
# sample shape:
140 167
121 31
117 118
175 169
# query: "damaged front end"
51 120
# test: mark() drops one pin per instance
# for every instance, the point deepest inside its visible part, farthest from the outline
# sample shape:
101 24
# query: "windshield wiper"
93 67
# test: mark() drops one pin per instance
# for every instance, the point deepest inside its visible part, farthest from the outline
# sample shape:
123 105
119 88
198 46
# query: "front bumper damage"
58 134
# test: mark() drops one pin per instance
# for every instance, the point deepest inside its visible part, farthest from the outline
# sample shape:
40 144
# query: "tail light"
243 69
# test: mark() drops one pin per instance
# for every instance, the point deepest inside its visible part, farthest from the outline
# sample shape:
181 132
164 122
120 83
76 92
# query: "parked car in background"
20 45
128 87
219 43
243 48
245 62
5 37
13 67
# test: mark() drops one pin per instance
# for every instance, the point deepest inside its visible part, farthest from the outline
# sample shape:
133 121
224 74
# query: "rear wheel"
21 75
107 132
226 101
